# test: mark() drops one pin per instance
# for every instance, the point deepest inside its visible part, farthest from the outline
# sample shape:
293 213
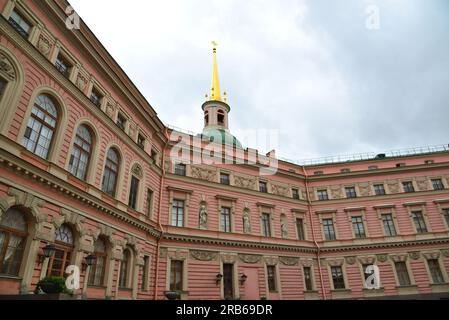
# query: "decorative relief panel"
271 261
230 258
367 259
431 255
289 261
280 190
335 262
364 189
336 192
110 110
399 257
45 43
82 79
350 260
422 183
393 186
382 257
244 182
414 255
178 255
307 262
445 253
250 258
203 255
204 174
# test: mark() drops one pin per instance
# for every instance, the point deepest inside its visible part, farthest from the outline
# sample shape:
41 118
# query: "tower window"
220 117
206 118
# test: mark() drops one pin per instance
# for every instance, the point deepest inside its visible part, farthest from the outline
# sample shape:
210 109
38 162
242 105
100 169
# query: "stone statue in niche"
284 230
246 223
203 216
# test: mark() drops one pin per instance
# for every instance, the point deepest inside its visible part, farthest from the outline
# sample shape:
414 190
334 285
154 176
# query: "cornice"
178 189
48 180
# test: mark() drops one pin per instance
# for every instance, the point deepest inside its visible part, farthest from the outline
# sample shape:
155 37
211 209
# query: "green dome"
221 136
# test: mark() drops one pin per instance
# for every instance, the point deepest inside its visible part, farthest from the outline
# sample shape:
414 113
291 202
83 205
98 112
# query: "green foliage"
58 283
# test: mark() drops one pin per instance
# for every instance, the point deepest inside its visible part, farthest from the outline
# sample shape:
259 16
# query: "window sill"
439 287
373 292
341 293
406 290
311 295
6 277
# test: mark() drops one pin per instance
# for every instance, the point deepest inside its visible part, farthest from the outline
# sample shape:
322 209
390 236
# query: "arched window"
41 126
206 118
220 117
81 153
97 270
124 269
13 234
64 247
111 172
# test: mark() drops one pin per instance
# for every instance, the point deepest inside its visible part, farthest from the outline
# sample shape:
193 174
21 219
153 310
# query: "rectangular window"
176 273
141 141
20 24
308 278
133 191
295 194
150 203
177 217
437 184
121 121
358 227
389 228
322 195
300 228
379 189
435 271
350 192
224 179
271 273
225 219
329 231
446 216
180 169
266 228
96 97
263 187
408 186
420 224
146 262
402 273
338 278
63 65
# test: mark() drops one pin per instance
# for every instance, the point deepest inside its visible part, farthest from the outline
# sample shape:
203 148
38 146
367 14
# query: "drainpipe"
156 277
309 206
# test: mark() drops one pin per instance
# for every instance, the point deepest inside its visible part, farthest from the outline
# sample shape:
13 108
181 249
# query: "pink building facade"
88 167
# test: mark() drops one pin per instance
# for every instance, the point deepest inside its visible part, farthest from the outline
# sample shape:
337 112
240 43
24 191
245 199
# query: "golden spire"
215 93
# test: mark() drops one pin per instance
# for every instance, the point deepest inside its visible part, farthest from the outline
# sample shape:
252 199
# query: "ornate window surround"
178 255
388 209
179 194
36 25
403 257
136 170
357 212
274 262
443 204
229 202
301 214
61 124
119 182
428 255
266 208
418 206
328 214
92 166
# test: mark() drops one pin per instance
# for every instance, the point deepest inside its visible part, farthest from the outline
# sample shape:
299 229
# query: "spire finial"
215 92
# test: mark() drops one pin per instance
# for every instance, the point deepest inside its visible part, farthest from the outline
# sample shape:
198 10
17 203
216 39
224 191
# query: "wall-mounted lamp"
90 260
48 251
243 278
218 278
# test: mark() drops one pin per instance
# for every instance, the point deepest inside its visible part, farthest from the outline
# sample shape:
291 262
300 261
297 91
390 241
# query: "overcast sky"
311 69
